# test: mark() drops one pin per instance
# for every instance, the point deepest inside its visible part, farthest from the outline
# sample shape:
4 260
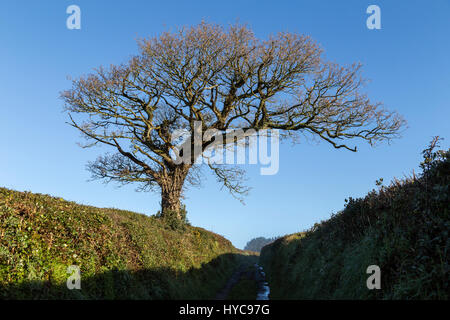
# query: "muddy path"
251 274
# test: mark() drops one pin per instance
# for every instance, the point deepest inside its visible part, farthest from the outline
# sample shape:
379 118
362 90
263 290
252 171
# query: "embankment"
402 228
121 254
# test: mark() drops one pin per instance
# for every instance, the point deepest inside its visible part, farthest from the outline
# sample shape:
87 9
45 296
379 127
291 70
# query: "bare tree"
226 79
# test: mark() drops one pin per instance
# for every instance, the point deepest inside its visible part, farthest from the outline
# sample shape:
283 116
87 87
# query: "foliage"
174 220
246 288
402 228
121 254
256 244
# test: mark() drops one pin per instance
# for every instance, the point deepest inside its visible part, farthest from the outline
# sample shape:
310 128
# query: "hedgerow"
403 228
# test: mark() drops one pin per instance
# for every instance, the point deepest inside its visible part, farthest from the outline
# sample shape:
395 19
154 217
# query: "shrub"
402 228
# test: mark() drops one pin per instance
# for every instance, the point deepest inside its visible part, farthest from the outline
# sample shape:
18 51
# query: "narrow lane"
245 272
263 285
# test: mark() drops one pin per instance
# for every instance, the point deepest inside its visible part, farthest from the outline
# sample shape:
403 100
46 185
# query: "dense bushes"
402 228
121 254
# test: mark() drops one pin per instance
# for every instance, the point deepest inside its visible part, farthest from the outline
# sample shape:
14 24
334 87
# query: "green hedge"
121 254
402 228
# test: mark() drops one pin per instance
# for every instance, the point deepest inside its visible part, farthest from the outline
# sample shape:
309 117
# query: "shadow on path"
157 284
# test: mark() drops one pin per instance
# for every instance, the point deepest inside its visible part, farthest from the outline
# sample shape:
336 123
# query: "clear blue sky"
407 61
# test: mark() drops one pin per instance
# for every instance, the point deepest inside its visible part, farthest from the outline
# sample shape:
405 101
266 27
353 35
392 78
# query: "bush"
402 228
121 254
170 219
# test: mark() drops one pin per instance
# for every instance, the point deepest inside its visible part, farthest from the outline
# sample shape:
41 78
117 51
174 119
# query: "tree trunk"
170 200
171 187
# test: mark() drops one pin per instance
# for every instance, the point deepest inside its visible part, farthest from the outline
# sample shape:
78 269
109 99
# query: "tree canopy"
256 244
225 79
